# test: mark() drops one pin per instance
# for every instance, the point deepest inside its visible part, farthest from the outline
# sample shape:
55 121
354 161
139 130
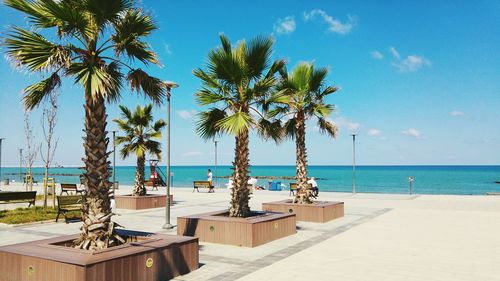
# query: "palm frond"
128 30
206 96
318 77
36 93
64 15
207 123
257 55
290 128
152 87
108 11
235 123
32 50
327 127
271 130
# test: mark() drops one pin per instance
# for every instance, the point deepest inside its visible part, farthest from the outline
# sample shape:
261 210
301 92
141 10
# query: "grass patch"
26 215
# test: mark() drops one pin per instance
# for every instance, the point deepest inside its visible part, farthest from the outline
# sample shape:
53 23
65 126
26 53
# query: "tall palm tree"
300 96
139 139
93 40
236 84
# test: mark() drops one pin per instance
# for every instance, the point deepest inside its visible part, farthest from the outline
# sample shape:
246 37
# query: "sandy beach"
381 237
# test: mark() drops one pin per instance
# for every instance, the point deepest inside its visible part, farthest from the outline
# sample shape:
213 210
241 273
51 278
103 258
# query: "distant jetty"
271 177
42 174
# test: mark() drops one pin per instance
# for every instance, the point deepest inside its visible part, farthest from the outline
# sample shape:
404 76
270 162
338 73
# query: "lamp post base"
167 226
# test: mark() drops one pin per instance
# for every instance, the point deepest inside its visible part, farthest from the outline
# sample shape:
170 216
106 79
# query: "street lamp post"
216 179
114 162
1 139
20 164
353 163
169 85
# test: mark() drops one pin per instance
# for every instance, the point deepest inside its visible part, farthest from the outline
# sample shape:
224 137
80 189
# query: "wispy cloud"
192 153
374 133
457 113
410 63
412 132
285 26
167 48
377 55
394 53
334 25
187 114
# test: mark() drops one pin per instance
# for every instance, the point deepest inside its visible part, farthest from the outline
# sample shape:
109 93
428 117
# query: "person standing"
209 179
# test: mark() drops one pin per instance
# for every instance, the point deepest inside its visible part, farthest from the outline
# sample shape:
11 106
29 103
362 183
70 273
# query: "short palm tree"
300 96
139 139
236 84
93 40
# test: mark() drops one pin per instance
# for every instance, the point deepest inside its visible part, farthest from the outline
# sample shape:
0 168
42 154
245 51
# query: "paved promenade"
381 237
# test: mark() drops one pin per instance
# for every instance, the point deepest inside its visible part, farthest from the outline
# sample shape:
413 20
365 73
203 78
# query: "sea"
465 180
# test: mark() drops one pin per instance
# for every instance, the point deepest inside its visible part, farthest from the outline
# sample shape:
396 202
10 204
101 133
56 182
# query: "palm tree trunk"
240 194
304 194
139 188
97 229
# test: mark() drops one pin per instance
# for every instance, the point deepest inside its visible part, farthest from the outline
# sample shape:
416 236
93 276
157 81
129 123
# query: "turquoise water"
378 179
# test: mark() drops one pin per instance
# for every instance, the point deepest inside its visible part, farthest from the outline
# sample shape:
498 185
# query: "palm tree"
300 96
236 84
93 39
139 139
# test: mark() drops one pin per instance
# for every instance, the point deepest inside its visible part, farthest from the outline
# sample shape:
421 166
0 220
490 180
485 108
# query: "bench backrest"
69 200
17 195
68 186
201 184
293 185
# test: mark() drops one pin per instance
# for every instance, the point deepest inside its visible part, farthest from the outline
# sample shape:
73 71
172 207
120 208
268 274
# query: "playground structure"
157 177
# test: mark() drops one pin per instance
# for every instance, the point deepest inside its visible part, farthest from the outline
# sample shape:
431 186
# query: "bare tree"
49 121
31 151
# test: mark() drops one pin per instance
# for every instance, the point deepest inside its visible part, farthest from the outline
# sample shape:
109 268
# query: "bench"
66 187
7 197
294 187
203 184
67 204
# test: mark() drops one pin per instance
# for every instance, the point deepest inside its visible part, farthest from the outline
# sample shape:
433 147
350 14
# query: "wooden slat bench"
294 187
7 197
203 184
67 204
70 187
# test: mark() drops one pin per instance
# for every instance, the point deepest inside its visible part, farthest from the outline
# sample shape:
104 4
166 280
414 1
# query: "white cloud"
377 55
167 48
285 26
346 124
334 25
191 153
410 63
457 113
374 133
187 114
412 132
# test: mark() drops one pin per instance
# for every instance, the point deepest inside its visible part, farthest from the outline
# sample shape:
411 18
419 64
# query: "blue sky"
420 80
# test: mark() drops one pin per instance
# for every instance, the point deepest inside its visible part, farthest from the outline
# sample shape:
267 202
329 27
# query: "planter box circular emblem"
149 262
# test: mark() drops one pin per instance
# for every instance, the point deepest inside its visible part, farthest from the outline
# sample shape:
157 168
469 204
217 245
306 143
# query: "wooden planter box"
154 257
319 211
148 201
253 231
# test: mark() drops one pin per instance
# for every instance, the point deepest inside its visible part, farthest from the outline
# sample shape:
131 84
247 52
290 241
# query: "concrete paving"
381 237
